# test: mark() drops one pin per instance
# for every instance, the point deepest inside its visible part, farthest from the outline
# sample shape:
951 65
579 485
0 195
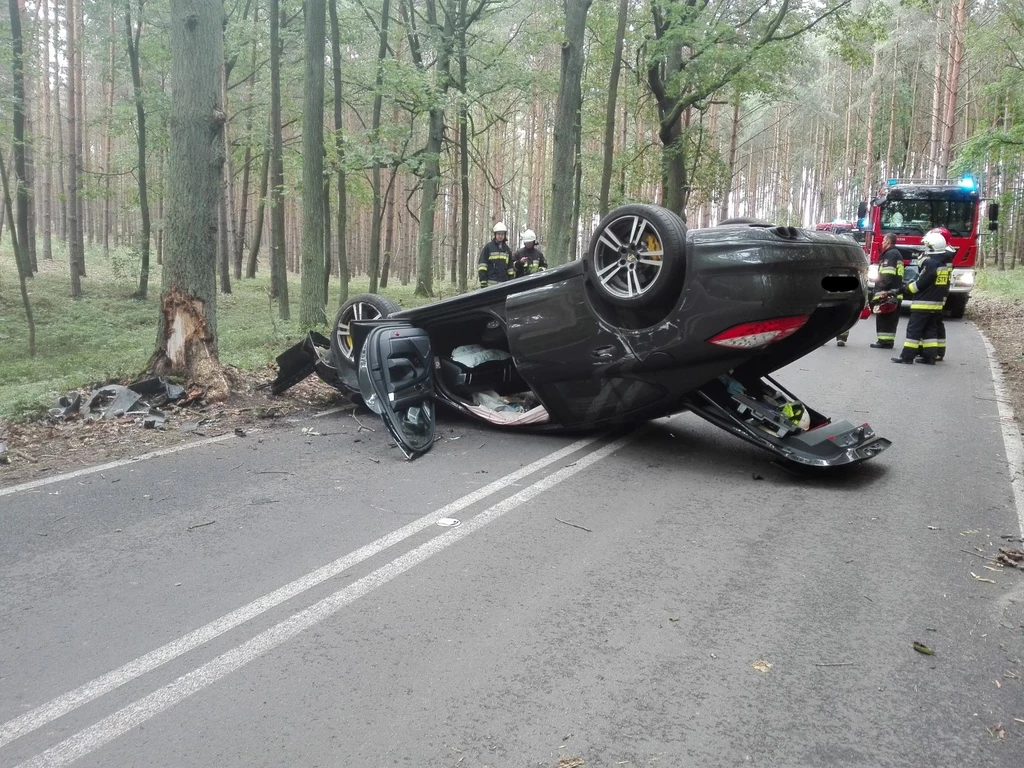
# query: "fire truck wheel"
956 303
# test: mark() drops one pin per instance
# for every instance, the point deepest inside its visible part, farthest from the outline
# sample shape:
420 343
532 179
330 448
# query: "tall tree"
313 299
19 259
339 145
609 114
373 263
20 173
444 32
132 37
187 339
76 245
561 227
278 263
700 48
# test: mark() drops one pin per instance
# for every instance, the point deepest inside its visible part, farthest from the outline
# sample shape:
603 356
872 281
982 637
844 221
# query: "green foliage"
853 36
1005 284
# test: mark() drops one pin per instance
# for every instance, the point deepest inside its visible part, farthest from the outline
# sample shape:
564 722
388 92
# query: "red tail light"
760 333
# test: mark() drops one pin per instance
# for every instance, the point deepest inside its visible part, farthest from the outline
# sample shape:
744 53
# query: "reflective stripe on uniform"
930 343
887 271
912 287
911 344
886 336
930 306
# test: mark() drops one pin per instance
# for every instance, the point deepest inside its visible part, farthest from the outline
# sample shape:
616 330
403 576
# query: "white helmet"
500 227
934 242
529 236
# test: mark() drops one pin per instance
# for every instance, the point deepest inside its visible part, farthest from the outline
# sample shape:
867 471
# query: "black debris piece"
158 390
66 406
299 361
113 402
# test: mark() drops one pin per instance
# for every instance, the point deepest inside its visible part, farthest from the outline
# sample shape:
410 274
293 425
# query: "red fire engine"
912 207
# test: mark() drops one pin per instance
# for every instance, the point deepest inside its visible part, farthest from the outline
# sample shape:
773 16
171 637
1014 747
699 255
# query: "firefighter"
927 296
940 335
529 258
889 281
495 262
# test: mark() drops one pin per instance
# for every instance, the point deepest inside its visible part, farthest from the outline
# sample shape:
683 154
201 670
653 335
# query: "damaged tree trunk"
187 339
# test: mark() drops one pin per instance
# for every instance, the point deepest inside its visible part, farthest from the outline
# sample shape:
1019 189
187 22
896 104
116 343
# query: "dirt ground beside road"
42 448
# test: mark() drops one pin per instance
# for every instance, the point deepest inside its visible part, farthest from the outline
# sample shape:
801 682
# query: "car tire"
637 256
365 306
956 303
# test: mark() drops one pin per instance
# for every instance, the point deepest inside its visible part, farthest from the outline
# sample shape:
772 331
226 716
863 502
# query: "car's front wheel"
637 256
365 306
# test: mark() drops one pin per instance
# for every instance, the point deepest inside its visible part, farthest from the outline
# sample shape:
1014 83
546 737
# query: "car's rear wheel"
365 306
637 256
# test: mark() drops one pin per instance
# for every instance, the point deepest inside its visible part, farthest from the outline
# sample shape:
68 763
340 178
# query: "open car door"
396 380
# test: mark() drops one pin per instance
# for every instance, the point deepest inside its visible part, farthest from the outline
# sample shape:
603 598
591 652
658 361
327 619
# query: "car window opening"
477 371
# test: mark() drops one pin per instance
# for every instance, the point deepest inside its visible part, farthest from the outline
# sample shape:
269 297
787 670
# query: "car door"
396 380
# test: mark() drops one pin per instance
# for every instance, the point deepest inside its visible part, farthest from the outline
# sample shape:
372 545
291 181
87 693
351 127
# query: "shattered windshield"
910 216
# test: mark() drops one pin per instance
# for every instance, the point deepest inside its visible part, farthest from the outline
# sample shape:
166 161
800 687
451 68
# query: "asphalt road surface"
663 597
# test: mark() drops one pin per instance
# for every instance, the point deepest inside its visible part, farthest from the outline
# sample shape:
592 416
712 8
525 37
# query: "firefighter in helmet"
940 334
887 293
529 258
495 262
927 296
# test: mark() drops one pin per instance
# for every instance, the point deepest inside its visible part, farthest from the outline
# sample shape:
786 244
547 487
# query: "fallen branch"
836 664
361 425
201 525
563 522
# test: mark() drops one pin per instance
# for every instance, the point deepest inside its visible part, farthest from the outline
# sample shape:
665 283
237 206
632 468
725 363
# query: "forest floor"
44 447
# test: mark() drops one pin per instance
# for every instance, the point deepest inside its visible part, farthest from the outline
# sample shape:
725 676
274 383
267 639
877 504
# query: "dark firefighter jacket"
495 263
890 271
928 292
534 261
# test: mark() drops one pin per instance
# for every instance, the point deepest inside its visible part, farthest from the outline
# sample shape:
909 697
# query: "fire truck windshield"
917 216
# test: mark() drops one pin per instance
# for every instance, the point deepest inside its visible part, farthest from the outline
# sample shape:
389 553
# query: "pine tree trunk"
609 115
730 172
313 301
278 254
75 239
342 221
187 340
132 39
46 145
561 227
19 259
20 173
261 210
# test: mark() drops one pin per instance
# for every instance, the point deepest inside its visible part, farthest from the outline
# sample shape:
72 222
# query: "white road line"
113 726
111 465
67 702
1011 433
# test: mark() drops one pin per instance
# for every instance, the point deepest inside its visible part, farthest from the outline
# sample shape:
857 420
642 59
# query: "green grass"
109 335
1005 285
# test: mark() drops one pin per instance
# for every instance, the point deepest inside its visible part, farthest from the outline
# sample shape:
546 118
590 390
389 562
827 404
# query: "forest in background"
787 111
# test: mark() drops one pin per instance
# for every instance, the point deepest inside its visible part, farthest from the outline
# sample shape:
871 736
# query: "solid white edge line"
1011 432
112 465
141 710
67 702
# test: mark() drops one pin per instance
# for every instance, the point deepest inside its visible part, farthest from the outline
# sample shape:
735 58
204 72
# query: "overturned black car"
654 320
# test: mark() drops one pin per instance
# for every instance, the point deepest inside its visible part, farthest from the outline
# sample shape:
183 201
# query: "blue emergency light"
967 182
893 182
863 223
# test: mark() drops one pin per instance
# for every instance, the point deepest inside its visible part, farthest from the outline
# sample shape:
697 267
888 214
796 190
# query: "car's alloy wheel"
365 306
637 254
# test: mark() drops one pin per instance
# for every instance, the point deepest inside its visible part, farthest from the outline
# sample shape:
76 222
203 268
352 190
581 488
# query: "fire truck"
912 207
